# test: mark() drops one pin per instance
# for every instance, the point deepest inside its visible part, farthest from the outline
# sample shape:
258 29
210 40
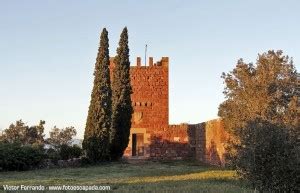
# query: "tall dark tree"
96 136
121 100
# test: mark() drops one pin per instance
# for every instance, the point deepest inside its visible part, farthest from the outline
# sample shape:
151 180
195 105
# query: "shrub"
266 157
53 154
68 152
13 156
76 151
84 161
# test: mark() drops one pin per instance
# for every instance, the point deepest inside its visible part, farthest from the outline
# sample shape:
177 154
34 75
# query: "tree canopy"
24 134
60 137
266 90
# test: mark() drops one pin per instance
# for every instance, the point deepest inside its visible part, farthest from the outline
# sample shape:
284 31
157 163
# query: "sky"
48 50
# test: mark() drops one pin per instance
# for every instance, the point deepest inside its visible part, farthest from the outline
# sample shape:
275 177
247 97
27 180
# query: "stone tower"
150 101
150 94
151 136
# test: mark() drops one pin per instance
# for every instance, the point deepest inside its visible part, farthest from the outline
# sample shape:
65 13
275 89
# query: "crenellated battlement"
180 126
163 62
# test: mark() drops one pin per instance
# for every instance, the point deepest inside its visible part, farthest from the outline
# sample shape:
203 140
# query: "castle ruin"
151 136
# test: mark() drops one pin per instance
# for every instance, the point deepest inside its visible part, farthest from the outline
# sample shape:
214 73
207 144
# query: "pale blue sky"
48 50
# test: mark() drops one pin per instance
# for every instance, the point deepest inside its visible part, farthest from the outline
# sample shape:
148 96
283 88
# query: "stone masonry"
151 135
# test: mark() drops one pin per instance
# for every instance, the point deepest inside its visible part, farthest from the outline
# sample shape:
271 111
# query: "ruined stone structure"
151 135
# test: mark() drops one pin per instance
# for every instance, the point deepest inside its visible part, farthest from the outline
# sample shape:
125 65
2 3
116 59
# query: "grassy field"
174 176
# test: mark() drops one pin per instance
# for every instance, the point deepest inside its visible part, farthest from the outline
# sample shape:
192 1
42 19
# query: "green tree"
22 133
59 137
121 99
262 114
15 133
266 90
35 134
267 157
96 136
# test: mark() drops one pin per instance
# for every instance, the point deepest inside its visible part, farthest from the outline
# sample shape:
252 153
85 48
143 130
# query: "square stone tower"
150 96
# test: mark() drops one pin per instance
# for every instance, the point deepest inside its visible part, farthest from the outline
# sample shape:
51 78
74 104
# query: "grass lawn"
175 176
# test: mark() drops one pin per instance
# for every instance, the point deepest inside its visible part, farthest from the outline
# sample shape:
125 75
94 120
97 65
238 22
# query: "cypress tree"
121 99
96 136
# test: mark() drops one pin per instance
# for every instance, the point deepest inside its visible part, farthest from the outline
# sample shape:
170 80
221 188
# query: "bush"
13 156
53 154
266 157
84 161
68 152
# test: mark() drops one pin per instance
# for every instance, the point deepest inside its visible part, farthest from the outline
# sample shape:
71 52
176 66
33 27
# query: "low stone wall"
210 139
171 143
204 142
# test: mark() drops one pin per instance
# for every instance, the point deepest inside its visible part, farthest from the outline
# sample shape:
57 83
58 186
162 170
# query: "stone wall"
210 139
171 143
197 141
215 139
164 143
204 142
150 121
